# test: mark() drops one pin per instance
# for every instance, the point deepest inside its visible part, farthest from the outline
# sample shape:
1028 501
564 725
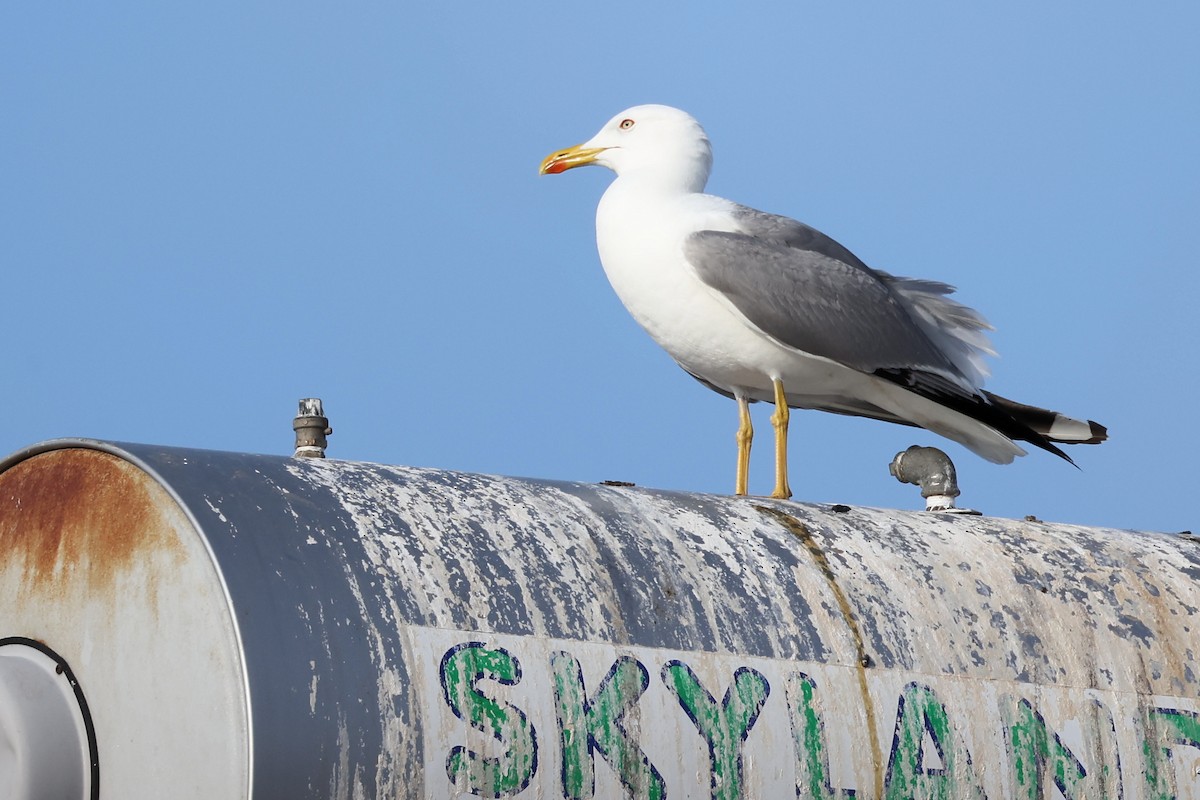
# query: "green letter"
1167 728
723 725
918 713
1037 751
808 732
595 725
488 776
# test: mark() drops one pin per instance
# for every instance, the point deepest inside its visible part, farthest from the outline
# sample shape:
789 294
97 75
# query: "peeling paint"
616 641
862 658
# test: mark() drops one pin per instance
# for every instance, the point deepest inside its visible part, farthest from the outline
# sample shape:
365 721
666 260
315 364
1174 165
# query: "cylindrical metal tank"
195 624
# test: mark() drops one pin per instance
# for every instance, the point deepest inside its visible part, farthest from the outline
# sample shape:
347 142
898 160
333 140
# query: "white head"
651 142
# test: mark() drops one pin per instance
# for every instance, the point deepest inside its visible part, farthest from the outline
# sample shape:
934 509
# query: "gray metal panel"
309 550
318 642
338 572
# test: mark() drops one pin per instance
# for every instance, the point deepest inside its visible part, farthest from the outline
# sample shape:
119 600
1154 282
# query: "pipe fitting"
933 471
311 427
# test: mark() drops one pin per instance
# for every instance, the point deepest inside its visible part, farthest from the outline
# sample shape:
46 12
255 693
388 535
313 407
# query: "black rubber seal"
65 669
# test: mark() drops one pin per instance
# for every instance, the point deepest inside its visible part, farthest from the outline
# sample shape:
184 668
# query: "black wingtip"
1017 421
1038 440
1099 433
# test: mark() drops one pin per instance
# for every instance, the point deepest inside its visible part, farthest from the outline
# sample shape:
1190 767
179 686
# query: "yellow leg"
780 422
745 435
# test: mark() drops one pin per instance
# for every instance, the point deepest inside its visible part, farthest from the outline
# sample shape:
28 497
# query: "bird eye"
626 124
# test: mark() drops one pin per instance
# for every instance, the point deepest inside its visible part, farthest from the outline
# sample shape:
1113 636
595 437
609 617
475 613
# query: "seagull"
761 307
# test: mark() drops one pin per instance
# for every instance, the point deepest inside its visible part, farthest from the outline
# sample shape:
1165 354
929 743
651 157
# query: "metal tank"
195 624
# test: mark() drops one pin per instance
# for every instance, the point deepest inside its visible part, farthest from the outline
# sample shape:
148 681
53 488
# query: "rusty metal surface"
100 564
78 519
423 633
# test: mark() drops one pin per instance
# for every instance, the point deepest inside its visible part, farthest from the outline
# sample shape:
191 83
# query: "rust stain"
77 519
862 659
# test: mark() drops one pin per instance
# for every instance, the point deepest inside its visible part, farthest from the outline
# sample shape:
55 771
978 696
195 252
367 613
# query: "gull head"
651 142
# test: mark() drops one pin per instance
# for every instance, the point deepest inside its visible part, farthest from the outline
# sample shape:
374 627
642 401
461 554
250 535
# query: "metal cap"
311 427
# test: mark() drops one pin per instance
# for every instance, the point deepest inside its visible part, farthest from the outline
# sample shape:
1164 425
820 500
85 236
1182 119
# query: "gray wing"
801 287
956 332
792 233
804 293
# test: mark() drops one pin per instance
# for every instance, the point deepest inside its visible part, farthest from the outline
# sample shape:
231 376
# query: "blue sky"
209 212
